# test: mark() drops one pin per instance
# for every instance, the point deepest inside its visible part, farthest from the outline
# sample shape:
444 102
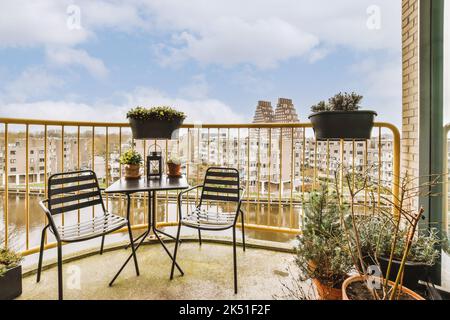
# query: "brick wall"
410 84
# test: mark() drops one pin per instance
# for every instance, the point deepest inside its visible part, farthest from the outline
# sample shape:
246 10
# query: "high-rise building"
285 111
264 112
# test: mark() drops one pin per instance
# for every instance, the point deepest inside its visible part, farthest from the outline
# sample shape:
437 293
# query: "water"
263 214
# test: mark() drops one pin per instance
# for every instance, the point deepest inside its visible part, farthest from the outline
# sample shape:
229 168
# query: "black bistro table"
151 186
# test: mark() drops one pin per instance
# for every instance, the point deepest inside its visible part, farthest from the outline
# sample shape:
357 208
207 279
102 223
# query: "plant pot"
11 283
155 129
413 272
174 170
346 125
132 171
327 293
359 278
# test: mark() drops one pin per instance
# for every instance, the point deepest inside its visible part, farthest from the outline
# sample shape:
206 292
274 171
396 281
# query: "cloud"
264 33
77 57
32 23
34 82
231 40
198 110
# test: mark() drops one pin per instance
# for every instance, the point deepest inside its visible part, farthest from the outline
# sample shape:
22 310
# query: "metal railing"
278 162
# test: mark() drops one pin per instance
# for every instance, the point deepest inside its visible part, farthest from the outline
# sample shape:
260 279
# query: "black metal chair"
220 185
73 191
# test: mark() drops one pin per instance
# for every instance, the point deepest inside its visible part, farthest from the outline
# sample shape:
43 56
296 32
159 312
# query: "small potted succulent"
341 118
174 166
131 160
10 274
322 254
154 123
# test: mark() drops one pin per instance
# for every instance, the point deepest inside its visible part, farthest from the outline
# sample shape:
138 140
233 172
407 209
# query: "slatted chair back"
221 184
72 191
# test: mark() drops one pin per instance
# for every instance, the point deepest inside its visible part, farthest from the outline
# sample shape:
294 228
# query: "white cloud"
33 82
69 56
265 32
231 40
31 23
198 110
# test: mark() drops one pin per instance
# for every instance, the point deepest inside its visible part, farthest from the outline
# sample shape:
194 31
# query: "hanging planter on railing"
155 123
341 118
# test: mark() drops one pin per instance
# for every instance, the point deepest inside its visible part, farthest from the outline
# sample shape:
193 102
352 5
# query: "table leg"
155 230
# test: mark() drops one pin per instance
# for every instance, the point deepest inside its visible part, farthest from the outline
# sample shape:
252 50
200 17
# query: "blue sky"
86 60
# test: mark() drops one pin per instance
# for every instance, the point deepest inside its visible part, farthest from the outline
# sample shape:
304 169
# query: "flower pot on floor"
11 283
413 272
327 293
358 278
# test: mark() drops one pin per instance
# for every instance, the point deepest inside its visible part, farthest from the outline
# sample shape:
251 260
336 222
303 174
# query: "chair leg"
60 272
41 254
199 237
102 245
243 230
133 249
234 260
177 242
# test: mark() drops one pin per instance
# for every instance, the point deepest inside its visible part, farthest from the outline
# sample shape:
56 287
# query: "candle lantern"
154 163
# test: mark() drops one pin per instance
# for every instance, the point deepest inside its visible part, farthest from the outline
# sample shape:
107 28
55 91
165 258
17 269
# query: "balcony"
277 184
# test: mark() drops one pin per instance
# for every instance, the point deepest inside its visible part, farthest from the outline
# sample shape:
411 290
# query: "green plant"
321 252
339 102
155 113
376 237
130 157
8 259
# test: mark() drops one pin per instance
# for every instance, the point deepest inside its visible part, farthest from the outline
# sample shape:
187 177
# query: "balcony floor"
208 275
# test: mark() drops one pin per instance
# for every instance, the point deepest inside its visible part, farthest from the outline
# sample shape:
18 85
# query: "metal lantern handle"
154 146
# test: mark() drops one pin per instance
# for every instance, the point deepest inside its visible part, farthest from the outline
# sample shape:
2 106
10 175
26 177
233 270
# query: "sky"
94 60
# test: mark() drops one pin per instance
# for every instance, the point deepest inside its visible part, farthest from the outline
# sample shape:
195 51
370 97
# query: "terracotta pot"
327 293
131 171
357 278
174 169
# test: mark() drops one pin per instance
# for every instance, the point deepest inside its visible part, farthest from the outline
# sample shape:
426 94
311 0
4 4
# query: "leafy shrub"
8 259
322 252
376 234
156 113
339 102
130 157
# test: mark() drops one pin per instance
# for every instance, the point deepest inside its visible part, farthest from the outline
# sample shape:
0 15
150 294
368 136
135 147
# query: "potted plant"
154 123
376 236
131 160
321 252
341 118
365 285
174 166
10 274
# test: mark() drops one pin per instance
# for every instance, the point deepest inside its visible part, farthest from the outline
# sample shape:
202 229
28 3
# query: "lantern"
154 164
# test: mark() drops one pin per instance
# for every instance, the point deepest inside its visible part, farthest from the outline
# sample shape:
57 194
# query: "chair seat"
209 220
90 229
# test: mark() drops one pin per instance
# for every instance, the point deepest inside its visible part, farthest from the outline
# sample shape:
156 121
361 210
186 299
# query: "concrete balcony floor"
208 274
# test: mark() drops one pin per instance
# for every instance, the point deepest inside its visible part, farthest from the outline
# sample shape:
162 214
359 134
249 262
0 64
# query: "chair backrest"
221 184
72 191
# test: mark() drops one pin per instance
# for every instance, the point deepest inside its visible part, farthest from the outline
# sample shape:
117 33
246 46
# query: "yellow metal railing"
278 162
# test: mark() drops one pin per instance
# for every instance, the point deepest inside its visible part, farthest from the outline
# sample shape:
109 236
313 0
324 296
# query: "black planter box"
155 129
346 125
413 272
11 284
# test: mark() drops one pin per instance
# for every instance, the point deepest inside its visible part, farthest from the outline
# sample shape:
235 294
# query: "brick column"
410 85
